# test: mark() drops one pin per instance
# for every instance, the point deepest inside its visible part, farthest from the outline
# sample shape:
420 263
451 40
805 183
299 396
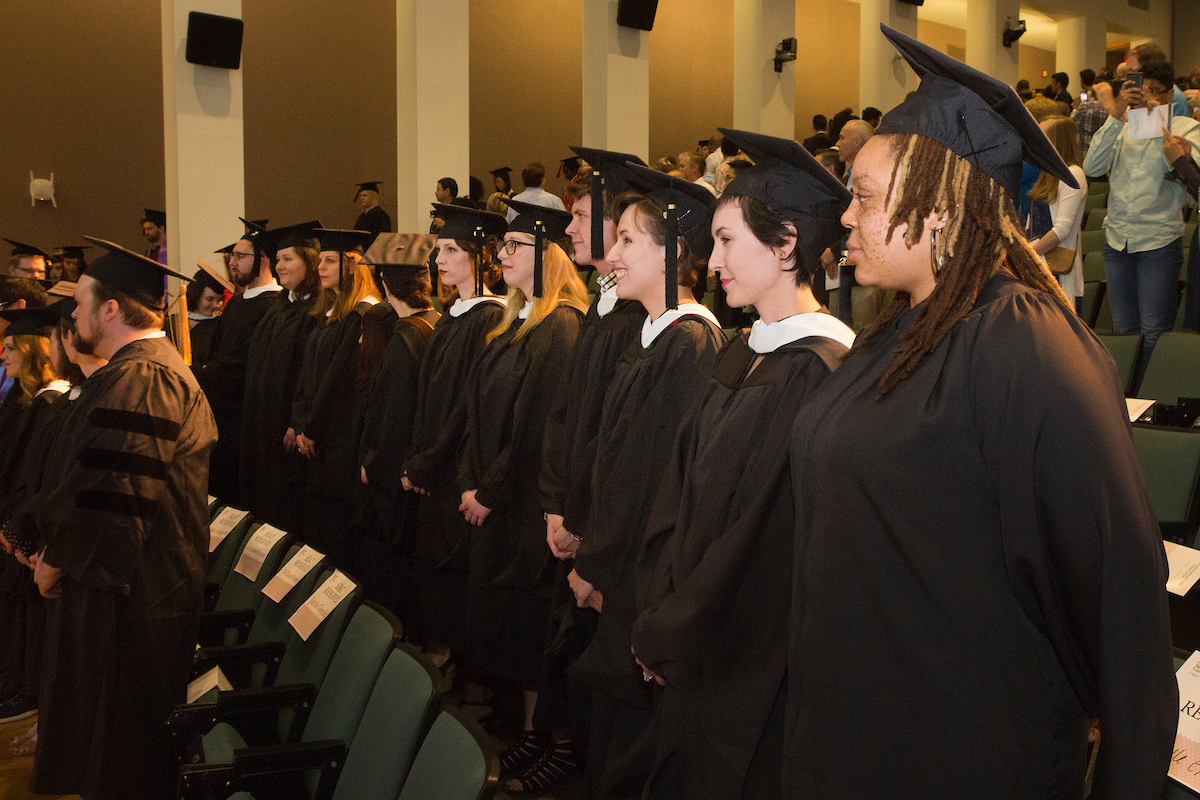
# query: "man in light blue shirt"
1143 229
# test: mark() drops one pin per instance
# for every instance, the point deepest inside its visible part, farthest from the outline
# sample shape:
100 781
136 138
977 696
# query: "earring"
935 255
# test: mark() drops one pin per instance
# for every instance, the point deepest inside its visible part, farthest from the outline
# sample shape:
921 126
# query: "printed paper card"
1185 761
322 603
225 522
213 679
256 550
1183 568
1137 407
1148 123
304 560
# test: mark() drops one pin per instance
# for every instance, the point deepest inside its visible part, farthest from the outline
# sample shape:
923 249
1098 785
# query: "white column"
763 100
884 77
433 111
1081 44
616 82
985 31
202 129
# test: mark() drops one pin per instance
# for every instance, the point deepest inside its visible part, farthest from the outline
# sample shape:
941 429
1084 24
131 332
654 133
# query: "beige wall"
526 84
691 74
1030 63
827 67
82 98
319 107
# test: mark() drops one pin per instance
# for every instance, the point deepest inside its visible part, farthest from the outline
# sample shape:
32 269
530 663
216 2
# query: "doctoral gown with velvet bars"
652 392
127 520
223 379
714 575
272 477
978 572
510 393
441 539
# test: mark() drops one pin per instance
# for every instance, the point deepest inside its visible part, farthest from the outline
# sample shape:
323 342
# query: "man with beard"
223 377
125 521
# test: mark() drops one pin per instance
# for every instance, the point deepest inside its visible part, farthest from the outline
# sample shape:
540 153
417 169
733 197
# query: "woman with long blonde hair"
328 412
508 400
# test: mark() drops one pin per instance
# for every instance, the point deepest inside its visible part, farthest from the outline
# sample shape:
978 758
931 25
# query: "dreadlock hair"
982 235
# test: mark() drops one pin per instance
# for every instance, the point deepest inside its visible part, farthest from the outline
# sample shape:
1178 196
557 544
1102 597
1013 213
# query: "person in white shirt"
693 169
533 176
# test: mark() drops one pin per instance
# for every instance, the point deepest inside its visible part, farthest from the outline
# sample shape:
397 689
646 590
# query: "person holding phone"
1181 155
1143 249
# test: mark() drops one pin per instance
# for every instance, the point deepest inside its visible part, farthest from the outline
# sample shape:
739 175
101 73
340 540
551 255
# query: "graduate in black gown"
565 483
125 526
329 406
223 376
978 572
663 238
383 543
720 536
437 608
272 471
509 396
373 218
26 353
205 299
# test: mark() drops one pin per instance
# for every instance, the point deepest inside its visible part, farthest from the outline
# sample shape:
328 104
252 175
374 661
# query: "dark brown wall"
319 107
82 98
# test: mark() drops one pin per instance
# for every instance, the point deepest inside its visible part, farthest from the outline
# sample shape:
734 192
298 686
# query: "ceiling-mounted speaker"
913 2
637 13
214 41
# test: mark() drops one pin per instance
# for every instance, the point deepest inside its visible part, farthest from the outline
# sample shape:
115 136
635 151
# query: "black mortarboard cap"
343 241
132 273
543 224
298 235
369 186
569 166
688 215
31 321
258 236
205 280
22 249
159 218
976 116
498 171
73 251
794 184
609 174
65 307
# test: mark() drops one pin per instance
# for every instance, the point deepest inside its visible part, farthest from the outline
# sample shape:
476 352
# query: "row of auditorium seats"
346 711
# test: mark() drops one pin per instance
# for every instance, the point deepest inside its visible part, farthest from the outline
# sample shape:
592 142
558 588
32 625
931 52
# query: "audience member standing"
373 218
154 230
1090 115
820 139
533 176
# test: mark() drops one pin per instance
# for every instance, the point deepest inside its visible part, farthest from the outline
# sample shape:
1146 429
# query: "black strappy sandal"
529 750
558 764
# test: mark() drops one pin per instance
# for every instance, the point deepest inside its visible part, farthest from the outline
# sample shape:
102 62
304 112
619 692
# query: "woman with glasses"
328 411
508 399
437 608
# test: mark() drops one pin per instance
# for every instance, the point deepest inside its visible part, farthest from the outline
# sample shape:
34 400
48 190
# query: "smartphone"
1082 96
1135 78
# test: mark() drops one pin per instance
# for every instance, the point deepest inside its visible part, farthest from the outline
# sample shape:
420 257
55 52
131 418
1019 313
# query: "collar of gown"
460 306
769 337
273 286
607 301
525 309
652 328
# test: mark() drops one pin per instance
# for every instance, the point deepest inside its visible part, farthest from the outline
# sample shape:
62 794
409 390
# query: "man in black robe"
373 218
126 532
223 377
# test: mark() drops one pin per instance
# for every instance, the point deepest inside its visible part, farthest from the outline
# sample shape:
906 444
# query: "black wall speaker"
913 2
214 41
636 13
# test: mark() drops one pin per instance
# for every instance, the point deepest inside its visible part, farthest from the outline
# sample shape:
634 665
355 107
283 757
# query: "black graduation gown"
376 220
508 401
440 546
223 378
271 477
651 394
977 572
331 415
718 542
127 519
383 547
201 336
11 411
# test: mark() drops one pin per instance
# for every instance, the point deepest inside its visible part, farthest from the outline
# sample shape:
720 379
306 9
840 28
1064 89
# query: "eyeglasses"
236 256
510 245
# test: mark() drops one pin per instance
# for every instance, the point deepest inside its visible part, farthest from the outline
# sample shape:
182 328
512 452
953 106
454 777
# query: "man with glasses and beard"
223 377
125 521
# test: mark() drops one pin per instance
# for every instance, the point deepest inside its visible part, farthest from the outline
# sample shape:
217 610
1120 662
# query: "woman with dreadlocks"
328 411
437 610
978 576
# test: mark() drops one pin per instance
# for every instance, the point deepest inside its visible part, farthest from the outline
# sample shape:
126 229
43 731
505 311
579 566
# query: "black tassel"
539 234
342 270
672 245
597 216
480 242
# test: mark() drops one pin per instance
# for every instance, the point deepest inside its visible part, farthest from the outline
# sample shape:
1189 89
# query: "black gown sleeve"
337 378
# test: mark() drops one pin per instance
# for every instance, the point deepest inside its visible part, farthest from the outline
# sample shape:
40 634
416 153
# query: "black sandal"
531 748
558 764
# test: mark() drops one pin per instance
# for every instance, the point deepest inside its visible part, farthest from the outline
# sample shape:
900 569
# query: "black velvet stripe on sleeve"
134 422
117 503
118 461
